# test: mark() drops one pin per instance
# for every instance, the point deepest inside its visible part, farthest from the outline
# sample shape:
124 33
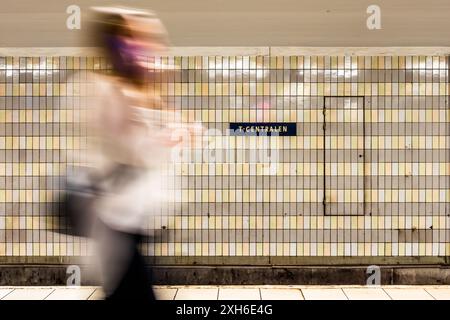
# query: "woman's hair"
110 29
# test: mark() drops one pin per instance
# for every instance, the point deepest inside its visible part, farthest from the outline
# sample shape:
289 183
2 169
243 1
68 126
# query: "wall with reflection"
366 175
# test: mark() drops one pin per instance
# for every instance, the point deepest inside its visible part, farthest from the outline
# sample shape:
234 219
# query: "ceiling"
313 23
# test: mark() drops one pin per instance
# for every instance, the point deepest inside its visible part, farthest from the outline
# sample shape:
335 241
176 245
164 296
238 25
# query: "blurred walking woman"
130 146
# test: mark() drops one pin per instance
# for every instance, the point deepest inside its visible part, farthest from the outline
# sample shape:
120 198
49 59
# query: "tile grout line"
176 292
387 293
92 293
342 289
49 294
429 293
301 292
7 294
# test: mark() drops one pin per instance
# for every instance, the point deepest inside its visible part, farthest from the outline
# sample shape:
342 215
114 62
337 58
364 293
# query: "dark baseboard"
55 275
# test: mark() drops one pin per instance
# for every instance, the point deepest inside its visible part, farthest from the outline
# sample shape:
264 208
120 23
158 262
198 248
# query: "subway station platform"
241 293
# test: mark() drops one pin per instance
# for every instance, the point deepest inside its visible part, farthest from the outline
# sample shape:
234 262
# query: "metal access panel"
344 155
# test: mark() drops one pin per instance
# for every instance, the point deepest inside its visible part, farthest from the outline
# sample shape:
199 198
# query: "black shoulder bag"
81 192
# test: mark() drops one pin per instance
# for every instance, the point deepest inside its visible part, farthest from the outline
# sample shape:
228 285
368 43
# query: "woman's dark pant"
135 281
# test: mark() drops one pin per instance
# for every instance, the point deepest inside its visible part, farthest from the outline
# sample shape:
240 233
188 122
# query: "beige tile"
29 294
439 293
97 295
71 294
239 294
365 294
165 294
408 294
281 294
323 294
4 292
197 294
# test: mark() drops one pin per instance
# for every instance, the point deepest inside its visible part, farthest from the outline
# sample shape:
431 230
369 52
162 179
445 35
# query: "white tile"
239 294
439 293
408 294
29 294
323 294
366 294
281 294
197 294
97 295
164 294
71 294
4 292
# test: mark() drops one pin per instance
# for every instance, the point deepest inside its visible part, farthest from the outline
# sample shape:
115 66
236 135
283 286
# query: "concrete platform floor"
241 293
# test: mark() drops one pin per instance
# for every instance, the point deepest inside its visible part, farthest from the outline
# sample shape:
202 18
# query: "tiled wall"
366 175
